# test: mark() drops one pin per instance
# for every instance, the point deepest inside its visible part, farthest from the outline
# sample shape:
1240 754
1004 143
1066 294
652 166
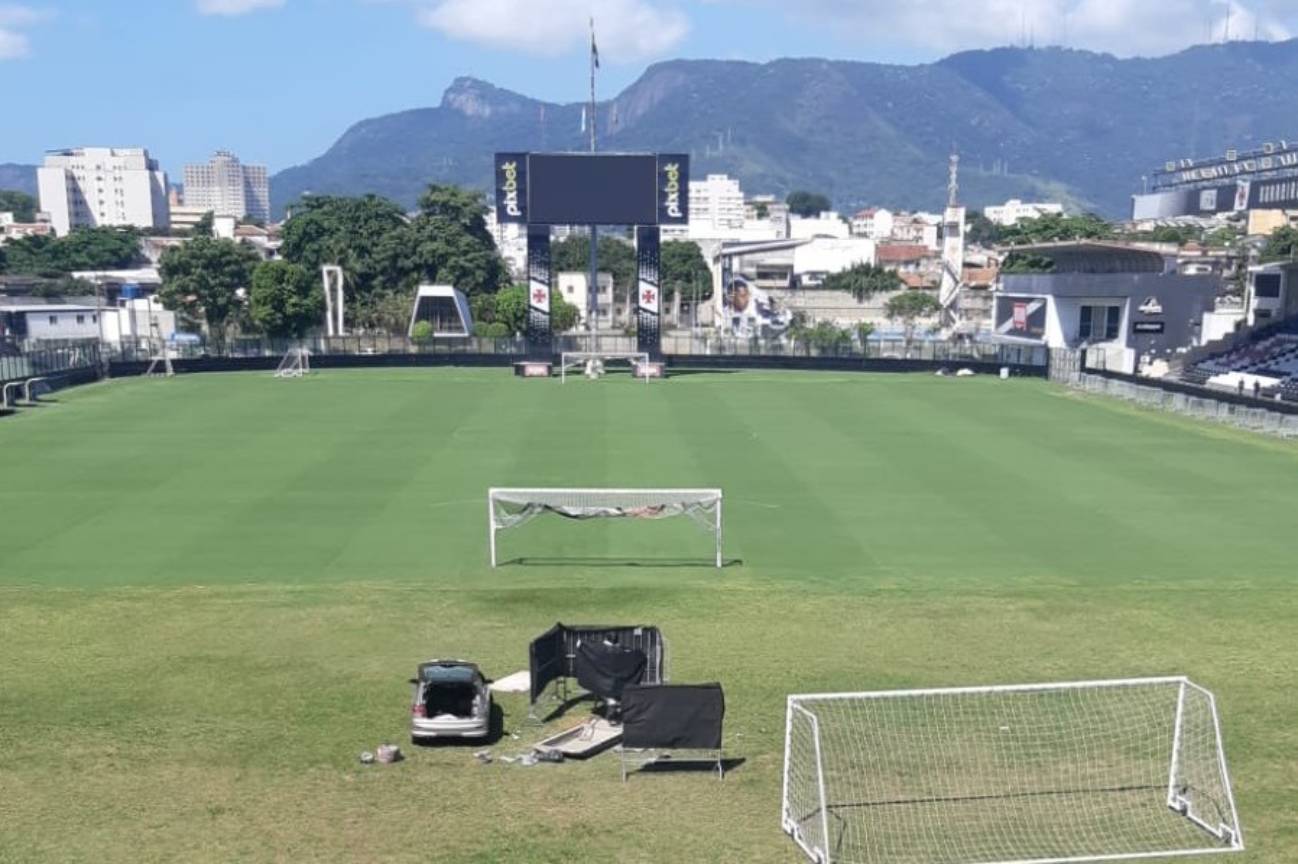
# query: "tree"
828 338
483 308
761 211
682 268
1226 235
205 226
1026 262
803 203
564 316
202 279
422 332
1055 228
382 311
348 232
862 280
83 249
1178 234
909 307
508 309
511 308
447 243
982 231
284 301
1282 245
22 205
864 329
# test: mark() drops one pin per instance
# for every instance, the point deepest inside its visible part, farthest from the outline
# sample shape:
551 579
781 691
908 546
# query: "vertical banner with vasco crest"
539 338
649 297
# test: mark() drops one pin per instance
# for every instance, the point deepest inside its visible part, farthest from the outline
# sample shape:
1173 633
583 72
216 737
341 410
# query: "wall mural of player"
750 311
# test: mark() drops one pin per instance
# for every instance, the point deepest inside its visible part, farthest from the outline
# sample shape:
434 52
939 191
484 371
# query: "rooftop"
900 253
1095 256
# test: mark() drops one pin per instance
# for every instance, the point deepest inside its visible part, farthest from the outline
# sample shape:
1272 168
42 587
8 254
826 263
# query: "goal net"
296 363
510 508
1051 773
592 363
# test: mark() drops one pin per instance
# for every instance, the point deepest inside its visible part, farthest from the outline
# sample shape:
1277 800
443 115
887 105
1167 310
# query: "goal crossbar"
1058 773
295 364
569 359
510 507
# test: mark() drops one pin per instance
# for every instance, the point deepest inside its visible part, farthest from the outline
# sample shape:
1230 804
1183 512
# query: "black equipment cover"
552 655
673 716
605 669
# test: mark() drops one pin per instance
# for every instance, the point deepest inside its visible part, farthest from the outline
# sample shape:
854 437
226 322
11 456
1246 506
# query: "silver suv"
451 701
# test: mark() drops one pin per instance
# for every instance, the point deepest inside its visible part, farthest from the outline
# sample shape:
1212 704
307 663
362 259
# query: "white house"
608 314
827 224
874 222
1014 211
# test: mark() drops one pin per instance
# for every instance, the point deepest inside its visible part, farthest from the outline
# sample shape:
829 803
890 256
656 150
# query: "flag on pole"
594 50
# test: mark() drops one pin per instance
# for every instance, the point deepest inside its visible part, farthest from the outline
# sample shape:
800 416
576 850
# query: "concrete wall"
839 307
64 325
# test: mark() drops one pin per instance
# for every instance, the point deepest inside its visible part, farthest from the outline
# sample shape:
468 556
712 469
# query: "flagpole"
592 284
594 64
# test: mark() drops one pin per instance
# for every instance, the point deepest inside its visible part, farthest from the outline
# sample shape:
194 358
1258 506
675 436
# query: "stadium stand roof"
1093 256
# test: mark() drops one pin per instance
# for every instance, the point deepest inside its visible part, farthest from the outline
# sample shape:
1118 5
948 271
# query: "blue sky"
278 80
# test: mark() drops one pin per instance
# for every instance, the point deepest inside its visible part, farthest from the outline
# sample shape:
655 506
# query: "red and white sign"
1020 316
539 297
649 297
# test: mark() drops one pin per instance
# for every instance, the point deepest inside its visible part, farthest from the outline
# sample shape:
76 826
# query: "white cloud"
14 20
626 30
1123 27
12 44
231 8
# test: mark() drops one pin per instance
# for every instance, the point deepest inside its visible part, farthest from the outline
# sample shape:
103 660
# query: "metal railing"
674 345
20 361
1250 417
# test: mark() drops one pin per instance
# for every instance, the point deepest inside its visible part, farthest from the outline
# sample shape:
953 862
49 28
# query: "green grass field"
213 589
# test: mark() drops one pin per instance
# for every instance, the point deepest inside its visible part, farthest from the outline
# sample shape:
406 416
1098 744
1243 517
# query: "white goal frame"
800 711
663 496
579 357
296 363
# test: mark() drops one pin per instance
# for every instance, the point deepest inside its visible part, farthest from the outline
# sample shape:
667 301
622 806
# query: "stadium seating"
1270 362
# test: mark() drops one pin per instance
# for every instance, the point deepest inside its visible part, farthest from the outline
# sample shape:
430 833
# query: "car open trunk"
450 697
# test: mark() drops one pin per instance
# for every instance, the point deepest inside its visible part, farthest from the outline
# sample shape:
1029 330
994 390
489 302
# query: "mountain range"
1048 123
21 178
1032 123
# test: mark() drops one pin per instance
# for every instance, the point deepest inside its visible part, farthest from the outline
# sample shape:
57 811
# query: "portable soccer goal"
1032 774
593 363
160 364
296 363
510 508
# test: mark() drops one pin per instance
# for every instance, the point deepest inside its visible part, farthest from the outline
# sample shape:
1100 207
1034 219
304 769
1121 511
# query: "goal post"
512 507
296 363
1026 774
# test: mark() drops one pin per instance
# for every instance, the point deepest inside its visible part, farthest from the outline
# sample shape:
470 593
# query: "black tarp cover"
605 669
673 716
546 659
551 655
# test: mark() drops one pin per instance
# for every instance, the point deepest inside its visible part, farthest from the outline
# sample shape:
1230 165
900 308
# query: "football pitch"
214 588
